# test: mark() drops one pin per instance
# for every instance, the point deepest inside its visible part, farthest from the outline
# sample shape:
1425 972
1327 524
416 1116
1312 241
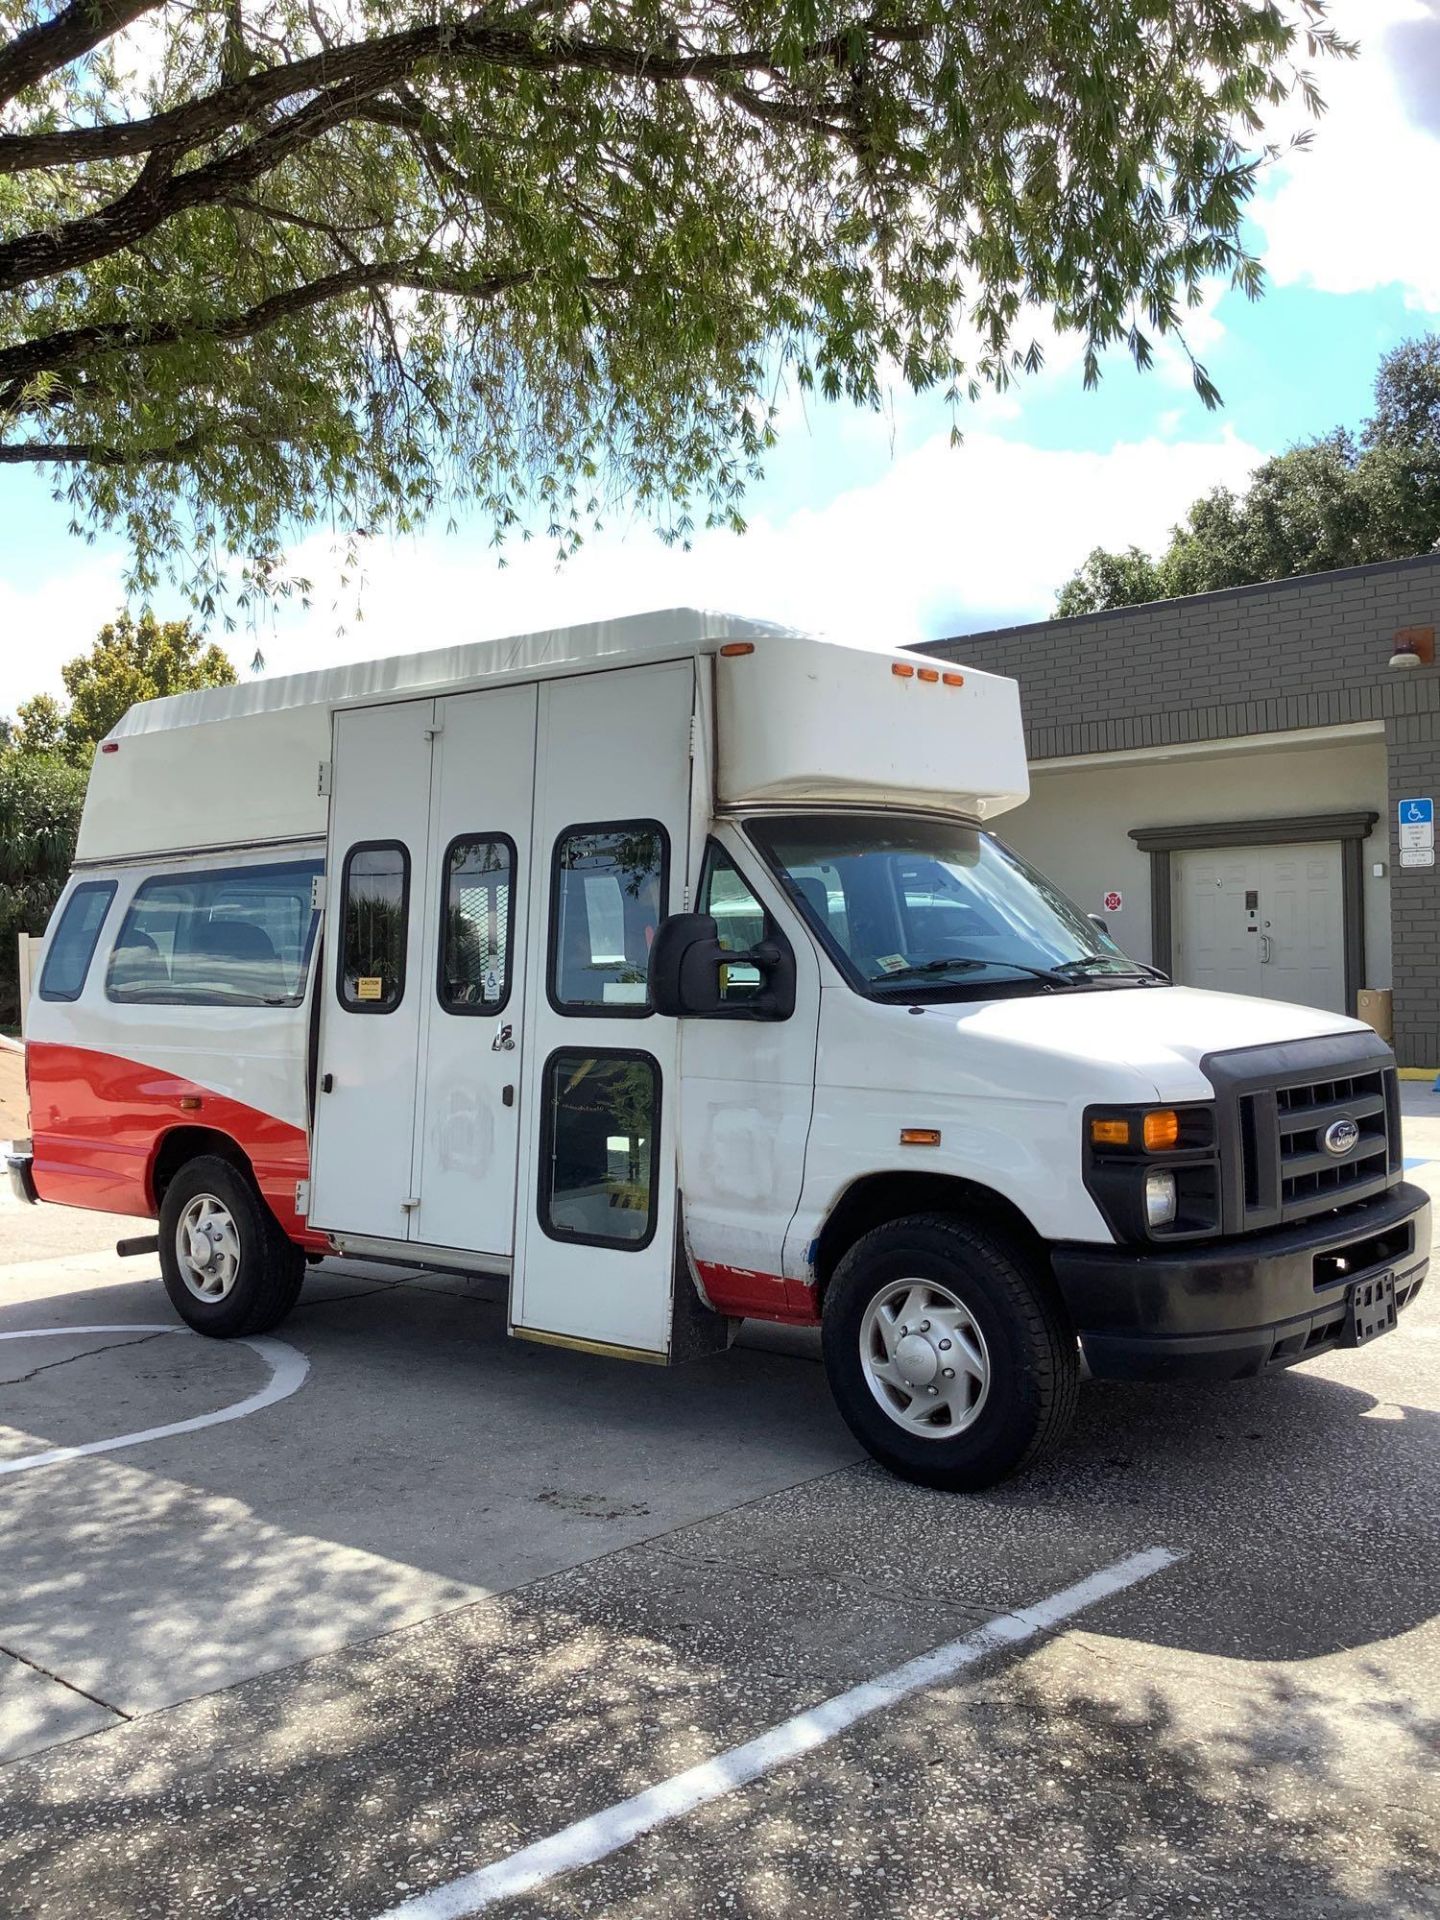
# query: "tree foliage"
40 801
274 264
132 660
1341 500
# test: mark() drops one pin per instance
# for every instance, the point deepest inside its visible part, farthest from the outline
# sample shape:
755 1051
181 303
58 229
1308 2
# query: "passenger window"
240 936
374 917
601 1117
72 945
739 921
475 948
608 897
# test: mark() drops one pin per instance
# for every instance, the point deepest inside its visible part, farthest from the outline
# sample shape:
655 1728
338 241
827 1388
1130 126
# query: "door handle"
504 1041
1267 949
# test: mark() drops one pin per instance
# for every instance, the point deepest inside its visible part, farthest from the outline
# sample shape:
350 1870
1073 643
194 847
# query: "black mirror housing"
686 962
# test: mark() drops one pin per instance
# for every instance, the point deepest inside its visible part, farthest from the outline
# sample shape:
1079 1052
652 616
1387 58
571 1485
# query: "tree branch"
370 66
56 42
21 363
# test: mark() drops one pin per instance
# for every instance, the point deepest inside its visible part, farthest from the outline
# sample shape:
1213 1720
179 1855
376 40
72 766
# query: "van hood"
1160 1034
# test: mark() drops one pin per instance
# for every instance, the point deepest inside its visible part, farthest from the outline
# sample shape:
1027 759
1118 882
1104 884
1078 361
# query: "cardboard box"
1373 1006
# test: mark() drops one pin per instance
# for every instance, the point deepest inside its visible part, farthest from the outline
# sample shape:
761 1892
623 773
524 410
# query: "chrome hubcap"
207 1248
924 1358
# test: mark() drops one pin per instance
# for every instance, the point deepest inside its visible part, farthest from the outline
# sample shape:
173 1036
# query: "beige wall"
1076 824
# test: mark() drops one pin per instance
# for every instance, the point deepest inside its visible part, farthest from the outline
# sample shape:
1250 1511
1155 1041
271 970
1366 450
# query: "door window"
607 899
599 1149
374 917
475 947
239 936
72 945
740 923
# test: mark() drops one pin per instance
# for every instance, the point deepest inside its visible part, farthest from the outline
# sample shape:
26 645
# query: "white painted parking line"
604 1833
288 1369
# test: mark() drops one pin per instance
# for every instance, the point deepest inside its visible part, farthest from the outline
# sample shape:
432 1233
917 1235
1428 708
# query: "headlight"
1161 1200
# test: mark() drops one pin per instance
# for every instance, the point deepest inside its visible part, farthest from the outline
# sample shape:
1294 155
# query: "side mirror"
1096 921
686 972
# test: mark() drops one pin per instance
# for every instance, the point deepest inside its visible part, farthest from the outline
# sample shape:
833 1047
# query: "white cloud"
1357 211
44 625
948 539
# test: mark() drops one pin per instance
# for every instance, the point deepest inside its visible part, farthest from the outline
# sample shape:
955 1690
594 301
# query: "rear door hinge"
302 1198
317 892
322 784
409 1204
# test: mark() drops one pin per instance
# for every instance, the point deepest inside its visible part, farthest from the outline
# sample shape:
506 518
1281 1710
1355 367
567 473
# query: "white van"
669 968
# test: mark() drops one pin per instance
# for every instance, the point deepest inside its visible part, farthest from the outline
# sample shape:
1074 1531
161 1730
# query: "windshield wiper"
1133 970
963 963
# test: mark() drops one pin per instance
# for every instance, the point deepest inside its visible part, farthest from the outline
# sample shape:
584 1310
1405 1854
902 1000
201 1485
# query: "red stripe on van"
98 1121
758 1296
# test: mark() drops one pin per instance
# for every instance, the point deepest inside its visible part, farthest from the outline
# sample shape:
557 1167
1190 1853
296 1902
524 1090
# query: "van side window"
72 945
607 899
600 1135
374 918
475 944
739 921
239 937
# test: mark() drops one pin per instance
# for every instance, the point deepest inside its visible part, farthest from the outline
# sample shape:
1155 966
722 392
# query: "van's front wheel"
949 1360
228 1268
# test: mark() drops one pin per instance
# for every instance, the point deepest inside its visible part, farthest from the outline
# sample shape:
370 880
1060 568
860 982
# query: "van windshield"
912 907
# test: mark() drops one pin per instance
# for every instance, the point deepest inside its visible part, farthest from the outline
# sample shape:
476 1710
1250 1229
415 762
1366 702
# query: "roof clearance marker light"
927 673
1110 1133
1162 1130
109 746
919 1136
733 649
902 672
953 679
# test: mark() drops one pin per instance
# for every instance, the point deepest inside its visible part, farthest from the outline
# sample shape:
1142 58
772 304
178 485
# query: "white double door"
417 1109
532 1116
1268 921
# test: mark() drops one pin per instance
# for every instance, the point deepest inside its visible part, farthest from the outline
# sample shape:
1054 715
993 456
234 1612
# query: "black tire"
1031 1356
270 1269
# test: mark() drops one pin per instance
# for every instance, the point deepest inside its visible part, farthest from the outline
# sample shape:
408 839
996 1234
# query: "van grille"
1287 1171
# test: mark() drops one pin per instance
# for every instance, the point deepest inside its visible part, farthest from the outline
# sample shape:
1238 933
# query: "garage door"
1268 921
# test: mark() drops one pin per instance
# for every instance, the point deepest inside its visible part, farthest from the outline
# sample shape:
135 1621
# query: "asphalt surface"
453 1593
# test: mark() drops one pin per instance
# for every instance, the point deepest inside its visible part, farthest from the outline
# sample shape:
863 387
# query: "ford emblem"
1341 1137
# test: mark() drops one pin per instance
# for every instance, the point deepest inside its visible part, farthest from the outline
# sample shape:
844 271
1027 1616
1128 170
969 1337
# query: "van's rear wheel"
228 1269
948 1356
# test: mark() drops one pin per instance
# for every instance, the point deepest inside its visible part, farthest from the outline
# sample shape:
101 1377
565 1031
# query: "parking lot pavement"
452 1595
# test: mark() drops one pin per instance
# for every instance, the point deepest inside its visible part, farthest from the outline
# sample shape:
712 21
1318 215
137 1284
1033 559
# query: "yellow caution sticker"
370 987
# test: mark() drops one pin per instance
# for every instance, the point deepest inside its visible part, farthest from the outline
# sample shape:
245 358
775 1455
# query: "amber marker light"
919 1136
927 674
953 679
1110 1133
902 672
733 649
1162 1130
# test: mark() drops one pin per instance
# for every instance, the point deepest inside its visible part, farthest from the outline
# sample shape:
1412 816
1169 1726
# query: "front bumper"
20 1164
1222 1310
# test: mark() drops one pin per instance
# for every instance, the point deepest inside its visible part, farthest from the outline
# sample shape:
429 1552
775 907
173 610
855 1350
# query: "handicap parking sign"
1417 833
1417 813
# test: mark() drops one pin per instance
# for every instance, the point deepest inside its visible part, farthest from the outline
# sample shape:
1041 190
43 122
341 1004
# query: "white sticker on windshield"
892 962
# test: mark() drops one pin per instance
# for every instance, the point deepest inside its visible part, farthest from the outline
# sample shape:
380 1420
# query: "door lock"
504 1041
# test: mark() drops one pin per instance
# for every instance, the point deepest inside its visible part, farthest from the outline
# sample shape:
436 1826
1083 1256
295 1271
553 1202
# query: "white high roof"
525 656
797 721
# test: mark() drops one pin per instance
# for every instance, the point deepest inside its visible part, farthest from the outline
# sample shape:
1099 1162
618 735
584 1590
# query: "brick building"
1230 766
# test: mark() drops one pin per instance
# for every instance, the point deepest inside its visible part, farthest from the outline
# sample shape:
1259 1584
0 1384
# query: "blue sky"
872 527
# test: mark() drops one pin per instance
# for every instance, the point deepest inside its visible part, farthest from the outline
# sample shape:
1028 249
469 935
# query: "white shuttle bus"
671 969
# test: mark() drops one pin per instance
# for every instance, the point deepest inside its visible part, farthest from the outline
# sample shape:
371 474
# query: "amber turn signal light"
1110 1133
1162 1130
919 1136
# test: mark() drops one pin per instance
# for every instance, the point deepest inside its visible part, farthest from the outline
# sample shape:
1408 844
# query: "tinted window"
608 899
72 945
374 912
601 1116
475 949
739 921
239 937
